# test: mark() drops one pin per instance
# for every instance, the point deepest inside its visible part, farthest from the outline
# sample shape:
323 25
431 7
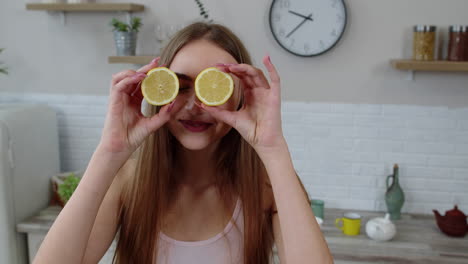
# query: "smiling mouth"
195 126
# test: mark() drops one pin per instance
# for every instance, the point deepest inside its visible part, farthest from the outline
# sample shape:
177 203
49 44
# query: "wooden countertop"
418 239
41 222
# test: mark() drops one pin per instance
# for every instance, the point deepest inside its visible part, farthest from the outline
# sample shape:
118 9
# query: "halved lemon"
160 86
213 87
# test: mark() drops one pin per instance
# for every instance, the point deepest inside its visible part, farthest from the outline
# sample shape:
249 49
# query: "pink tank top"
223 248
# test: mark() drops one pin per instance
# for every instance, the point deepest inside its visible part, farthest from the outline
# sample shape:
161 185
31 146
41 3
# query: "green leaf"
66 189
119 25
135 24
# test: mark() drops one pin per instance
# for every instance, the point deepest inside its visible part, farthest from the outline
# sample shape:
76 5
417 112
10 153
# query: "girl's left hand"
259 119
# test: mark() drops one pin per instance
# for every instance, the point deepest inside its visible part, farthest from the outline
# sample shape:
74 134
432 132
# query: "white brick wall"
346 164
342 152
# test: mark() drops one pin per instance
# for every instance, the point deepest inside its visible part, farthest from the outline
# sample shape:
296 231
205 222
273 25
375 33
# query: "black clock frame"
313 55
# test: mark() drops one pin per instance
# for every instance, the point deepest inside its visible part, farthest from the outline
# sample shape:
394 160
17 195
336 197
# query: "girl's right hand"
125 127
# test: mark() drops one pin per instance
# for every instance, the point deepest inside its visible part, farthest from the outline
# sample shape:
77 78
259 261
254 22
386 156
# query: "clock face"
307 27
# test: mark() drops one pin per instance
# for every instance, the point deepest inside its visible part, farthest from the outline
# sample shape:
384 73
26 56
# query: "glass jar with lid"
457 43
424 38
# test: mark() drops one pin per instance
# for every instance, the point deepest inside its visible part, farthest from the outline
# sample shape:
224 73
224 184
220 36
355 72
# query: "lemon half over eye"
160 86
213 87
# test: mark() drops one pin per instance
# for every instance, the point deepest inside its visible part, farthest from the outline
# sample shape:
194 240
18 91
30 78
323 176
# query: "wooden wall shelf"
142 60
86 7
434 66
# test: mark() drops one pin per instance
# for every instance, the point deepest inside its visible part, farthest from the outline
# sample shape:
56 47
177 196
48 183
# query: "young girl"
204 184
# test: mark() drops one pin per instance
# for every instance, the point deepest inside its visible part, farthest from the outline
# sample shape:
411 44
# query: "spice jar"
457 43
424 42
465 42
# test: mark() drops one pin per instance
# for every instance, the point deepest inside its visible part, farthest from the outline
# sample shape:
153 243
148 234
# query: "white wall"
46 56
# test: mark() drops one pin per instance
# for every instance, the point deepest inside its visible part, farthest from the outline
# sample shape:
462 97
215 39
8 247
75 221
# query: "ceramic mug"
317 207
351 224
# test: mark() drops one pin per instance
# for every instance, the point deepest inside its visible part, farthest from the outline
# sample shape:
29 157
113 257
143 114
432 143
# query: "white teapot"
319 221
380 229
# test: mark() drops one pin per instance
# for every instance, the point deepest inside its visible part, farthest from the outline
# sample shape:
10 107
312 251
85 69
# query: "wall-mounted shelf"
63 8
142 60
429 66
413 65
86 7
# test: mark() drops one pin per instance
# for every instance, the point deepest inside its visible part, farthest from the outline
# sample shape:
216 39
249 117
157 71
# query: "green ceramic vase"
394 197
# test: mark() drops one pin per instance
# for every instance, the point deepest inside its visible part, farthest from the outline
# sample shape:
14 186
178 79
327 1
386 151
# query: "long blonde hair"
240 171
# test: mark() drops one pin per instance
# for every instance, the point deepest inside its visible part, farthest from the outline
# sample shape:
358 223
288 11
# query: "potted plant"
3 69
125 35
63 186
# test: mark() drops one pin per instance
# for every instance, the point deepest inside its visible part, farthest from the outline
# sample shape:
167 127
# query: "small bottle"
424 42
394 196
465 42
457 43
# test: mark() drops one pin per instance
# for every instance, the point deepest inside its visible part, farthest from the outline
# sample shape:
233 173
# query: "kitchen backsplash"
342 152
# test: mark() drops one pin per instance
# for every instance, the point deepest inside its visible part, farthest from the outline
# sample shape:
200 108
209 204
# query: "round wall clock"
307 27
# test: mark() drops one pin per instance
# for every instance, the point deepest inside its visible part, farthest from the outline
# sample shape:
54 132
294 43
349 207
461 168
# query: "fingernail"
138 75
154 60
136 89
223 69
169 109
199 105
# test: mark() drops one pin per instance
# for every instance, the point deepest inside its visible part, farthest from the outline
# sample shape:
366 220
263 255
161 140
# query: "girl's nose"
192 102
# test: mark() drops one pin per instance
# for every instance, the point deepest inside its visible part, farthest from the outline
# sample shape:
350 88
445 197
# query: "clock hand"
298 26
297 14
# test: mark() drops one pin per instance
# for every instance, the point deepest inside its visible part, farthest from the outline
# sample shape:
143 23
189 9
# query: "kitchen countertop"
41 222
418 239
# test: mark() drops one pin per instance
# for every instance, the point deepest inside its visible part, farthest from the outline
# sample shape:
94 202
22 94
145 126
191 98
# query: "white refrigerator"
29 157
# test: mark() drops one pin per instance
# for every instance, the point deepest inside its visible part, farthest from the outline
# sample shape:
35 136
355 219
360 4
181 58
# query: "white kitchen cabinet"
34 242
29 157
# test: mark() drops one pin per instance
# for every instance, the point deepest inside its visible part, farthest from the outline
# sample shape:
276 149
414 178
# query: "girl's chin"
195 144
